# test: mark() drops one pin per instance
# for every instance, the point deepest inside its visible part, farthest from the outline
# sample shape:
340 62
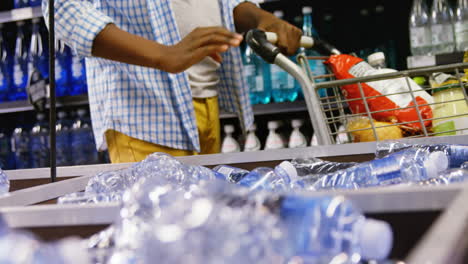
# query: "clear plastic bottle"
297 139
62 130
401 167
317 66
420 29
447 177
277 179
37 55
257 75
461 25
20 66
20 147
4 64
283 87
443 40
232 174
274 140
229 144
252 143
39 143
78 75
62 65
323 227
82 138
4 183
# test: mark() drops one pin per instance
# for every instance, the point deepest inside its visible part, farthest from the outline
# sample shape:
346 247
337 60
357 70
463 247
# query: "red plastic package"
347 66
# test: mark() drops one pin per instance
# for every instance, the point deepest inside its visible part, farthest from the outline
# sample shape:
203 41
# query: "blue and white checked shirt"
141 102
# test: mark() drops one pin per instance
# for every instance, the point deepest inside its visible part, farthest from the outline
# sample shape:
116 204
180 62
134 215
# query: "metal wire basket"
344 126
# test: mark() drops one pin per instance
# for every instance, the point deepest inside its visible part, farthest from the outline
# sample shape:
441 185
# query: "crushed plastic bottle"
4 183
447 177
406 166
231 174
277 179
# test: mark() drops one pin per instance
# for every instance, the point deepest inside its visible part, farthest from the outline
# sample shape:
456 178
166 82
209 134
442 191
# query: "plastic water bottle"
4 64
461 25
20 66
82 138
20 3
37 55
34 3
4 183
20 147
442 28
321 228
78 75
62 130
229 144
316 66
447 177
62 64
420 29
401 167
257 75
231 174
277 179
297 139
464 165
39 143
282 83
252 143
6 161
274 140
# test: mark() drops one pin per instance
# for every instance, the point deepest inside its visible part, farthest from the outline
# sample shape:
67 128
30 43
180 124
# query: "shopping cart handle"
257 40
306 42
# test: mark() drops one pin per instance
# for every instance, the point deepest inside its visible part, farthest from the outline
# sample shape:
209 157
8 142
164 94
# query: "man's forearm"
115 44
248 16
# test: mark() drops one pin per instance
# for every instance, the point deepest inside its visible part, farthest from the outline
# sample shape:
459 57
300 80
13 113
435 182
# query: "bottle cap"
296 123
273 125
375 57
228 129
278 14
435 163
40 116
306 10
61 114
81 112
289 168
376 239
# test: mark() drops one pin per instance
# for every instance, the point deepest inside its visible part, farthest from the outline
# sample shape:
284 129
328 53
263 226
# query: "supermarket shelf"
24 106
446 241
348 150
20 14
373 200
434 60
273 108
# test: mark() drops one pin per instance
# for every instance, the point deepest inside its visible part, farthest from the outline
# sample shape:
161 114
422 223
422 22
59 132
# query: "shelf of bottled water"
29 147
30 51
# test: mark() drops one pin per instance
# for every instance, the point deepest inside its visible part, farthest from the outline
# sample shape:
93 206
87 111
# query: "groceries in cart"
387 100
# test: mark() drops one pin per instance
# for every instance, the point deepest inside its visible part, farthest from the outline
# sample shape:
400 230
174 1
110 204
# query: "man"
156 69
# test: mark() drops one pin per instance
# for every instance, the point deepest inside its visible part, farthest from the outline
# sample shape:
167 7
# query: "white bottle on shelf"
443 39
297 139
420 29
274 140
461 25
252 143
229 145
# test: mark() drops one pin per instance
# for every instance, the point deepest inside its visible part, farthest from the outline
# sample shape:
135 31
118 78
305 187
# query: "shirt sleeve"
77 23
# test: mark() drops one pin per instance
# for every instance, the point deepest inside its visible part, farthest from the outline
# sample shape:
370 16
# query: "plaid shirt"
141 102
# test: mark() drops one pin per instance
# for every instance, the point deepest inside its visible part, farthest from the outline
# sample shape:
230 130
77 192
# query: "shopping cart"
331 116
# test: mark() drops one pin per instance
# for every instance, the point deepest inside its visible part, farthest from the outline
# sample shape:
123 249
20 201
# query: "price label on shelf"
21 13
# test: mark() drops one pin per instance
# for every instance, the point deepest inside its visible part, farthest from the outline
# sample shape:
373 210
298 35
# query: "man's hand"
200 43
118 45
248 16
